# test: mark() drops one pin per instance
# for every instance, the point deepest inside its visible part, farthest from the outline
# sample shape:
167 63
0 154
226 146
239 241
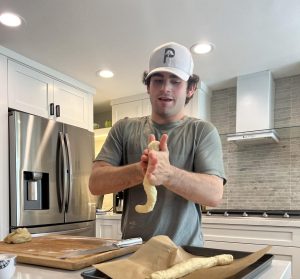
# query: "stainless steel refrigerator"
50 164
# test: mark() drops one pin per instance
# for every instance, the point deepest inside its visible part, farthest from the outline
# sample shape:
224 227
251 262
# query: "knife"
114 246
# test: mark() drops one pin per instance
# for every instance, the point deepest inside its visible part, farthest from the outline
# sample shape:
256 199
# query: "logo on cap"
169 53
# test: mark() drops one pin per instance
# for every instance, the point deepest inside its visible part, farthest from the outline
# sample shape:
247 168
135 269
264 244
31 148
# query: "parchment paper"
161 253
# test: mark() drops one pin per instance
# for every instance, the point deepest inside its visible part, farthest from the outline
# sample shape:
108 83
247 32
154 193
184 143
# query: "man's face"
167 94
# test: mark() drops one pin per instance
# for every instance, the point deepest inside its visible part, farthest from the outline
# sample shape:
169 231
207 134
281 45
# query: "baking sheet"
248 273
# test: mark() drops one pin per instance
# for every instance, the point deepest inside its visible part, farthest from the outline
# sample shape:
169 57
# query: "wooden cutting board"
45 250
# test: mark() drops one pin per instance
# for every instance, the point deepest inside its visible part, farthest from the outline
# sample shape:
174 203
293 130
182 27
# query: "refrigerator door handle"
69 173
59 173
64 172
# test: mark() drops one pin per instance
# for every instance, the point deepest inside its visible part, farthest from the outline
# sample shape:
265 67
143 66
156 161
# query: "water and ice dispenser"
36 190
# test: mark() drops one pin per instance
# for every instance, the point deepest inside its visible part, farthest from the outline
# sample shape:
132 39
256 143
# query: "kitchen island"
277 270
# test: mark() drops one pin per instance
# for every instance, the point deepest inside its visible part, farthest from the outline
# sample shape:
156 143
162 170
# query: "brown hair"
191 83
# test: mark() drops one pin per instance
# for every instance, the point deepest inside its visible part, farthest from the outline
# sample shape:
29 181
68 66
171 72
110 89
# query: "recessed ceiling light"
105 73
10 19
202 48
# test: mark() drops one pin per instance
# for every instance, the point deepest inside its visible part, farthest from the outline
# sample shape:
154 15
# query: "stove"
252 213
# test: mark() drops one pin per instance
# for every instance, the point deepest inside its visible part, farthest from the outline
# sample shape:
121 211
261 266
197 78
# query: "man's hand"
155 164
200 188
144 157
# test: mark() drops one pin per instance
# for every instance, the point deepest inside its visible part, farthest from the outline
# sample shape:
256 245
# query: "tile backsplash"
265 176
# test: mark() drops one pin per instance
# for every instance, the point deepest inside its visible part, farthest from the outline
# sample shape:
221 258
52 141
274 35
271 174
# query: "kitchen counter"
109 216
220 219
277 270
257 221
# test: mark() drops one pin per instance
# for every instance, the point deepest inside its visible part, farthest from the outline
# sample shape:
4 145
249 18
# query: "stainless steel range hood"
255 110
254 137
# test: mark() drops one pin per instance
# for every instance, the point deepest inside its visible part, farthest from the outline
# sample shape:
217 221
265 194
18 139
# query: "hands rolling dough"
149 189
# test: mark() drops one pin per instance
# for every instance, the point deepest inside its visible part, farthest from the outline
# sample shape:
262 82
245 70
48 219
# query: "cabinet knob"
57 109
52 109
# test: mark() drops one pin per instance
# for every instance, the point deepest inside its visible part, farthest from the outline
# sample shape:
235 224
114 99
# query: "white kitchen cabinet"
140 105
199 105
253 233
133 106
131 109
29 90
72 105
32 91
109 226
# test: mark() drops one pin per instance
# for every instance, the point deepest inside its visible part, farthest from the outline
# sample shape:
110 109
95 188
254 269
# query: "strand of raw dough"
150 189
190 265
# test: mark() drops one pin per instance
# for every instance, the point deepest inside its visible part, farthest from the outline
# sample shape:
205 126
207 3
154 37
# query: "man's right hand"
144 157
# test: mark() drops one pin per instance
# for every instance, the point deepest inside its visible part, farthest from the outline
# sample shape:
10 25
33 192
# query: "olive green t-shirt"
194 145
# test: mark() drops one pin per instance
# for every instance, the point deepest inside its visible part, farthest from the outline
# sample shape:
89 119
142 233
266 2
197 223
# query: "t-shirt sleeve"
112 151
209 155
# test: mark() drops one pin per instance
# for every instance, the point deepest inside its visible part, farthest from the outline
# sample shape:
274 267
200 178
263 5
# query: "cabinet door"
29 90
130 109
109 229
73 105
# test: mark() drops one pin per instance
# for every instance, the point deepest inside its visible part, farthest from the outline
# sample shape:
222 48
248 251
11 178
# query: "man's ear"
148 89
191 91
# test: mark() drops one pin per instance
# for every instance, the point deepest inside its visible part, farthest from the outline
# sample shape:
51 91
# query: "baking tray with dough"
250 272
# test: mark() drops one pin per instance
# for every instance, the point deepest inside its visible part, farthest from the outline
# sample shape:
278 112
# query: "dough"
20 235
190 265
150 190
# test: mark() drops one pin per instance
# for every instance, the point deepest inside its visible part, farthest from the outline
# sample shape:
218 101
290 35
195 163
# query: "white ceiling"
79 37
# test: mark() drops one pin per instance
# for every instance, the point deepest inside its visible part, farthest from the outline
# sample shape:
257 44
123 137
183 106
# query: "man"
188 168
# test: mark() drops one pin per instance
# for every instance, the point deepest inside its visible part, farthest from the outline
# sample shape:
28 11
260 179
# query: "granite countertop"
278 269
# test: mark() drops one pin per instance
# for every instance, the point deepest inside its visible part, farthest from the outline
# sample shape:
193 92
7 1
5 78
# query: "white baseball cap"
172 58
